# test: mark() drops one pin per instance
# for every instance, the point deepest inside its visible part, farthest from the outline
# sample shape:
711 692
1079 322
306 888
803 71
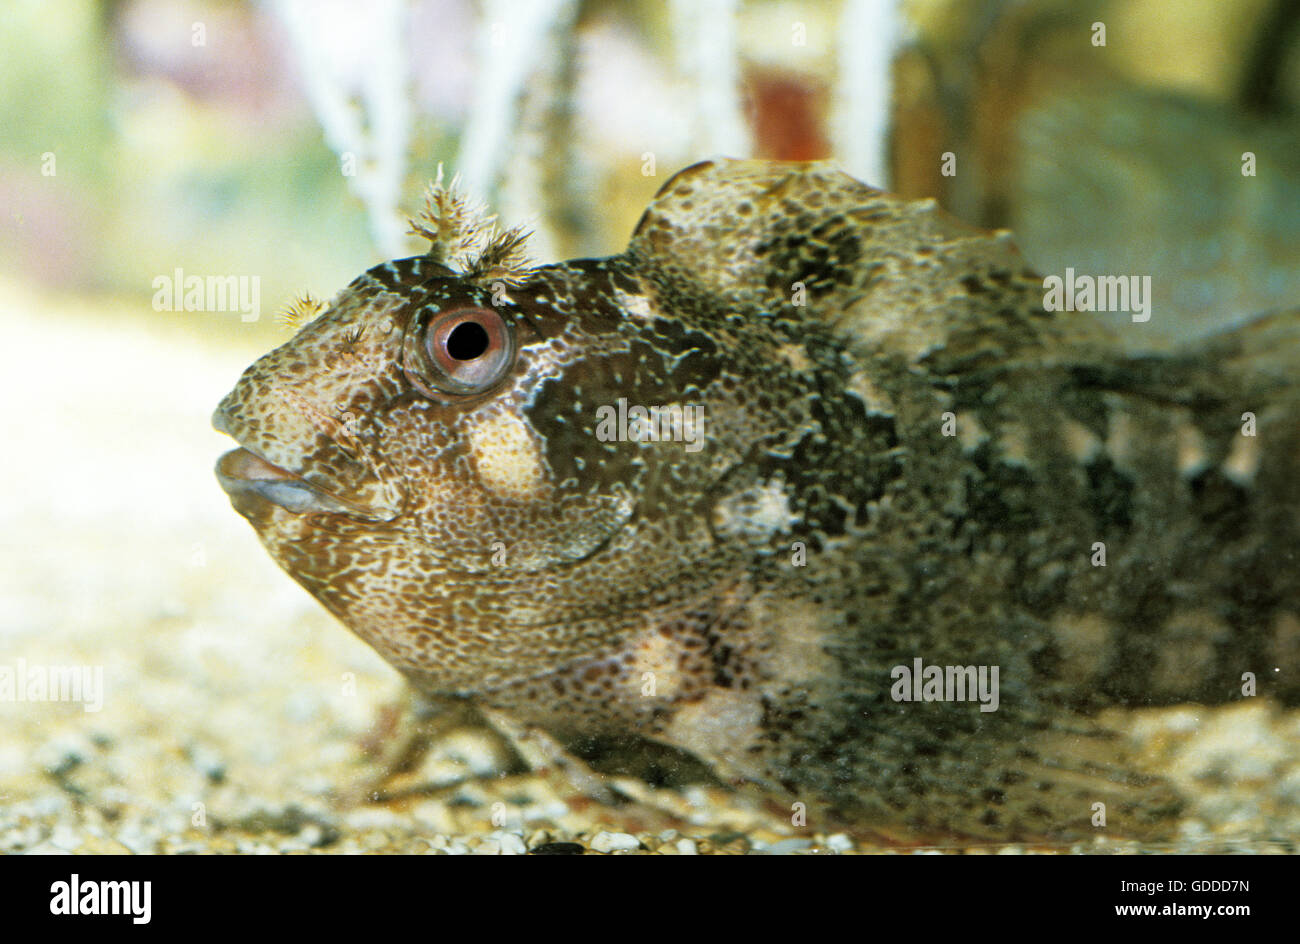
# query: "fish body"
806 484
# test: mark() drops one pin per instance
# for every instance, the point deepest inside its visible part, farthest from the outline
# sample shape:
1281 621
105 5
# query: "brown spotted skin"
746 602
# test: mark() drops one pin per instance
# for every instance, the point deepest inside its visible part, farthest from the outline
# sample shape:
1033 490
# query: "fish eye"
464 351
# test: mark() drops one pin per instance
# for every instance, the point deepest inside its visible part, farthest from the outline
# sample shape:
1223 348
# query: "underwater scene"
730 427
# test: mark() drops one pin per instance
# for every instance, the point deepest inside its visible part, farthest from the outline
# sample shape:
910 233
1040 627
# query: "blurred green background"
144 135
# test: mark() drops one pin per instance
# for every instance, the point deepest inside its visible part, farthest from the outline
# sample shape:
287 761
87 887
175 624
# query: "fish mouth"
248 477
243 473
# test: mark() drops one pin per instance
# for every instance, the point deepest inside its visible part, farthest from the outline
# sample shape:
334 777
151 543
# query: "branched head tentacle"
463 235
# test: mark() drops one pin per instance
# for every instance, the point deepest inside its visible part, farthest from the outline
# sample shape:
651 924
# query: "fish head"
484 481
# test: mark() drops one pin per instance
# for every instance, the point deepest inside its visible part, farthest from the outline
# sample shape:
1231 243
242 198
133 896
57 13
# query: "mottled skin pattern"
746 602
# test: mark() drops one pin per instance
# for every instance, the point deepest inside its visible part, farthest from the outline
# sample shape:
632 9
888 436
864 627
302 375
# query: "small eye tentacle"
301 310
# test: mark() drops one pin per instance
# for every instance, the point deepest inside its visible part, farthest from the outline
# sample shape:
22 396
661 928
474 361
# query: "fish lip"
243 474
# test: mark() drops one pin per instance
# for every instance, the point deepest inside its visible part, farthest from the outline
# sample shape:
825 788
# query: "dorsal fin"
761 237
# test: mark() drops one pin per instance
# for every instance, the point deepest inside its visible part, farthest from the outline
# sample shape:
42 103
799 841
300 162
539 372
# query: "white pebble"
511 844
65 837
614 842
840 842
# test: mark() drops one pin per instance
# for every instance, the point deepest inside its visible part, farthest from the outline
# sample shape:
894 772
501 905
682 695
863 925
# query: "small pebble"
65 838
511 844
614 842
840 842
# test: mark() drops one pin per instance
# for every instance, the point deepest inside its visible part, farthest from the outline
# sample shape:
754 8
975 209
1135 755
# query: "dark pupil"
467 341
